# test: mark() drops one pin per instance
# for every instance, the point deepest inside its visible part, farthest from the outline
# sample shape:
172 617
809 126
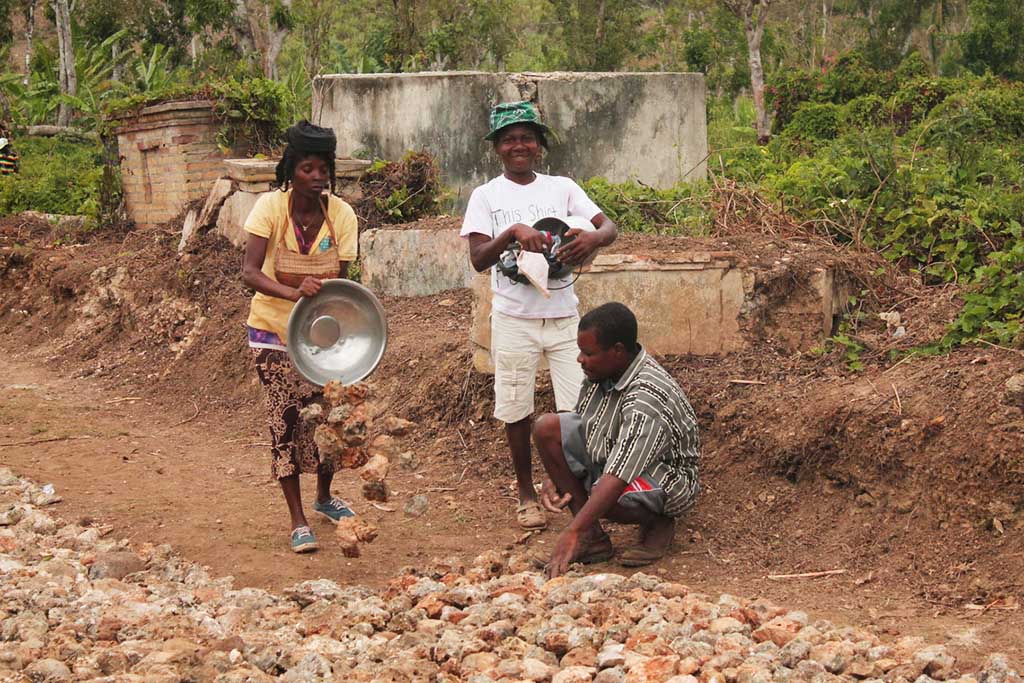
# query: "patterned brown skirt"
286 393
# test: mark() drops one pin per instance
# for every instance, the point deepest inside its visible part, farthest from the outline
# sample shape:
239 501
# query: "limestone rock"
376 469
375 490
353 458
407 460
384 445
328 442
574 674
416 506
312 413
612 654
613 675
48 671
1015 389
351 531
115 565
778 630
338 415
307 592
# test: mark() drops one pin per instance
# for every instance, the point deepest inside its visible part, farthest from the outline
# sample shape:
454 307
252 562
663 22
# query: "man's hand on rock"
565 550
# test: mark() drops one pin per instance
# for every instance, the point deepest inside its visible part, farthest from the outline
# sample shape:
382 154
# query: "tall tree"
267 23
753 14
68 78
30 28
316 22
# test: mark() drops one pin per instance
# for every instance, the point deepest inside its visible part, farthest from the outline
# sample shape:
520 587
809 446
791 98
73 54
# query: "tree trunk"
29 30
266 38
66 68
755 30
115 53
826 16
753 13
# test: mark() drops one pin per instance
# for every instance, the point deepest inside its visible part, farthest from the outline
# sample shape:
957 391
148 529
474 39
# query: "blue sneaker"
303 540
334 509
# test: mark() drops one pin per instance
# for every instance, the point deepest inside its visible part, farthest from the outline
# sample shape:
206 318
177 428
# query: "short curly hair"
612 323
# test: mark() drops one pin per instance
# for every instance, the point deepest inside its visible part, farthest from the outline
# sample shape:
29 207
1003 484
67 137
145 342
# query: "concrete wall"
169 157
413 262
647 126
686 303
689 302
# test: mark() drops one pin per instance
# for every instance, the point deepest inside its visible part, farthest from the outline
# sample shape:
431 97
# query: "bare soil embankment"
908 477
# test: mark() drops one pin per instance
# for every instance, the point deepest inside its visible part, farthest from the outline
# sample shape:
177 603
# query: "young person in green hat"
525 325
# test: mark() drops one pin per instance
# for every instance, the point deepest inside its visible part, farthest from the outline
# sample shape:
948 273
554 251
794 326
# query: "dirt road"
199 482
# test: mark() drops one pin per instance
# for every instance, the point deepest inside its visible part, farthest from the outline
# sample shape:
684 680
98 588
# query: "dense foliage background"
895 125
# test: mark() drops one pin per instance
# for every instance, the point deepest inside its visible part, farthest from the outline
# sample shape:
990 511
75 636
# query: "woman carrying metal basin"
298 236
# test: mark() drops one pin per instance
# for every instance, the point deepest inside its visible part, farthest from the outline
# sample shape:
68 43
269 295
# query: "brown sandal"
639 556
531 516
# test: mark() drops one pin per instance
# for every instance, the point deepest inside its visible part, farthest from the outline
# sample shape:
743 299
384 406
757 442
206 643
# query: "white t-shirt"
496 205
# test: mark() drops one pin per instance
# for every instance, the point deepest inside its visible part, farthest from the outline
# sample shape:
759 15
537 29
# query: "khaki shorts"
517 346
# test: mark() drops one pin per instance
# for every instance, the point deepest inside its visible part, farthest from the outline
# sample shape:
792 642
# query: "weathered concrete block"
232 216
650 126
413 262
444 113
689 302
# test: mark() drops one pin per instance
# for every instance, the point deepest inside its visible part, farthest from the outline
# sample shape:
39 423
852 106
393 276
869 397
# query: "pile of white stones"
76 605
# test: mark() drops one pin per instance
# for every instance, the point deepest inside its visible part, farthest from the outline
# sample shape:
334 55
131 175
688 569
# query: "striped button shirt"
644 424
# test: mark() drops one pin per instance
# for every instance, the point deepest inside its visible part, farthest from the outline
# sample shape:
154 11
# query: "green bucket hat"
509 113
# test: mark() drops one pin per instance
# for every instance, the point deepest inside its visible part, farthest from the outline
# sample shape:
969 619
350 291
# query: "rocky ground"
78 605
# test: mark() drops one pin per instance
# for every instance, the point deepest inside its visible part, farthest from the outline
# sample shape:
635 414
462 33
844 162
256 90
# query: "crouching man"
628 454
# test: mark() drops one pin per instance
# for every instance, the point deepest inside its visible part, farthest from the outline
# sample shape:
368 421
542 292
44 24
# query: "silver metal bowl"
339 334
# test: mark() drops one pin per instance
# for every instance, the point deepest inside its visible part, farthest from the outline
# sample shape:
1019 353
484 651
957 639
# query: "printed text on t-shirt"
501 218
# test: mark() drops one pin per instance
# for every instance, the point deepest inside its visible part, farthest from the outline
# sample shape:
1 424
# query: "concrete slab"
413 262
652 127
264 170
232 216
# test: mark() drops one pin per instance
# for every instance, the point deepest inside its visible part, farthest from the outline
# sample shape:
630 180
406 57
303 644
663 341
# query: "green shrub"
814 121
852 77
916 98
929 174
912 66
680 210
786 90
993 305
866 111
57 176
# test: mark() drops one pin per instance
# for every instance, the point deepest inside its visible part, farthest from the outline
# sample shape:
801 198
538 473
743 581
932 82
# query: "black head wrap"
305 139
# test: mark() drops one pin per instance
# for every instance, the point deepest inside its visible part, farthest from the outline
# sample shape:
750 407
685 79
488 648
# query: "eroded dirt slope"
908 478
